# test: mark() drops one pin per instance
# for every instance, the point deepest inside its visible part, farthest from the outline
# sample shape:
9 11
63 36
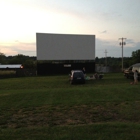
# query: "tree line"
117 62
26 61
31 61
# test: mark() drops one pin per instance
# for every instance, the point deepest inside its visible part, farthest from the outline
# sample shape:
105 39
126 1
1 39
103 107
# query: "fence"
103 69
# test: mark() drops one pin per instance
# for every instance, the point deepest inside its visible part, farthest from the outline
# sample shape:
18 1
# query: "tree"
29 64
136 56
18 59
97 60
2 58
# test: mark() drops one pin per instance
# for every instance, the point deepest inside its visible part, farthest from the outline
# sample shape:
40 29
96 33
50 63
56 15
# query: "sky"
108 20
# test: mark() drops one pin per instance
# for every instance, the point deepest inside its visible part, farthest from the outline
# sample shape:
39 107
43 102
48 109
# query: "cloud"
114 49
103 32
136 46
130 42
111 46
19 48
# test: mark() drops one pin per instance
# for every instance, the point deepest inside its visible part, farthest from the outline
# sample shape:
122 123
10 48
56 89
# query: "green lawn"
49 108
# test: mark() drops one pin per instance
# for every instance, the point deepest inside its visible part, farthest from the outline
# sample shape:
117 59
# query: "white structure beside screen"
65 46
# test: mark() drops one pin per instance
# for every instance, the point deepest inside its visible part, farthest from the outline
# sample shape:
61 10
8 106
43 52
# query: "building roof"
13 66
137 64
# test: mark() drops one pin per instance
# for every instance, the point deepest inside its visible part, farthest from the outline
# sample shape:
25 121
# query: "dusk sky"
108 20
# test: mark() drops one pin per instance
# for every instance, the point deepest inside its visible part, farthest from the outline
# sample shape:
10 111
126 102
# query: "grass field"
49 108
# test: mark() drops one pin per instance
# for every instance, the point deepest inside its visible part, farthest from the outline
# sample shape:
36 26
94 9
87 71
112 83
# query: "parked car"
128 73
77 76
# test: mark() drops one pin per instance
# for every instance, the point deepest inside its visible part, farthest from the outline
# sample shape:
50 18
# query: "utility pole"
122 43
106 59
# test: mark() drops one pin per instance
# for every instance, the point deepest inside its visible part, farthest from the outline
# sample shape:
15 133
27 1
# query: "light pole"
122 43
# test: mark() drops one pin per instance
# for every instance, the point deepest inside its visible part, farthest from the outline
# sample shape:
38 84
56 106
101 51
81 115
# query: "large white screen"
65 47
